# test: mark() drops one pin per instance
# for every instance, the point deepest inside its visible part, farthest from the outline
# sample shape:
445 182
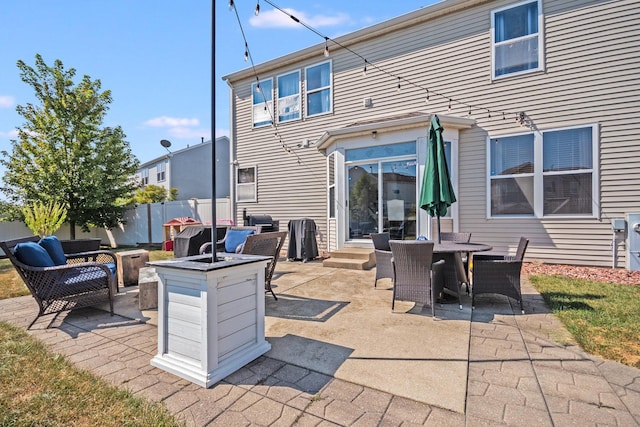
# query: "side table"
129 264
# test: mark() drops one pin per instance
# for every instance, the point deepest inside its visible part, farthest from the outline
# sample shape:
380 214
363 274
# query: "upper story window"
162 171
144 176
289 96
262 101
318 88
517 40
544 174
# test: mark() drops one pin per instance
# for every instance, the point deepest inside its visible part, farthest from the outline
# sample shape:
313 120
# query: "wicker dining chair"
382 251
267 244
499 274
415 278
461 259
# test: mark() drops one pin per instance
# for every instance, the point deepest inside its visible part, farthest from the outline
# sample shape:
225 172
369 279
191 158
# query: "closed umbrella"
436 194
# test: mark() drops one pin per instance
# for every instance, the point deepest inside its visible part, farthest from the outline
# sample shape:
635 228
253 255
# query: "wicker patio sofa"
64 281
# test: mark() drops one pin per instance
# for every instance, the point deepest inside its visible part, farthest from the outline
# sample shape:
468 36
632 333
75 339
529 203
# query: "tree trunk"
72 230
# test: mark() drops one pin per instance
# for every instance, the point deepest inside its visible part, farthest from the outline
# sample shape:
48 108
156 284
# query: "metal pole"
214 230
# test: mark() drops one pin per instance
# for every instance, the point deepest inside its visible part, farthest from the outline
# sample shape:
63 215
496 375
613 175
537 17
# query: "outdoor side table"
129 264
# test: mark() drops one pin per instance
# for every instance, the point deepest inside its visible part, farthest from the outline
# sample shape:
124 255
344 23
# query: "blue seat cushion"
234 239
32 254
54 248
112 267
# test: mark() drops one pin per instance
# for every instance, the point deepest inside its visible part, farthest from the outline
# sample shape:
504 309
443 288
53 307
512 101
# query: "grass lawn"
602 317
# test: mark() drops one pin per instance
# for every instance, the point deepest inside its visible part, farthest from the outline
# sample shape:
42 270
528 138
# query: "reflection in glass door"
363 200
399 198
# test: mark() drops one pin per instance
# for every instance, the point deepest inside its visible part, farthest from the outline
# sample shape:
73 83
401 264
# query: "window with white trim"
517 39
144 176
318 89
162 171
544 174
247 184
289 96
262 101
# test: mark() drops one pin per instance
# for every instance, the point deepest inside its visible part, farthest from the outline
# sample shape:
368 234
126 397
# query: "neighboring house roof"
182 150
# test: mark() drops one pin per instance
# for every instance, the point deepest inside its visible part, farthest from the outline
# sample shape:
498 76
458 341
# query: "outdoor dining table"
446 250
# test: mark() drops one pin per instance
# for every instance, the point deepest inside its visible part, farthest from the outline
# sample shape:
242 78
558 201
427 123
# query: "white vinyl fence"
143 223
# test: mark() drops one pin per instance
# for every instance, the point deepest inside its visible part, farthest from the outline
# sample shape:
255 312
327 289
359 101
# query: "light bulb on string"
246 52
399 87
504 117
427 100
231 4
326 47
469 110
449 109
489 113
257 11
364 70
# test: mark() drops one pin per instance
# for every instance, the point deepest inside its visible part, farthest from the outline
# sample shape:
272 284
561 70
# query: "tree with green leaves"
44 219
154 194
63 154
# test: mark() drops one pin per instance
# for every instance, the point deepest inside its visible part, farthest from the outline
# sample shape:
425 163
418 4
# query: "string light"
231 5
427 100
364 70
449 109
326 47
246 52
489 114
399 87
257 11
469 110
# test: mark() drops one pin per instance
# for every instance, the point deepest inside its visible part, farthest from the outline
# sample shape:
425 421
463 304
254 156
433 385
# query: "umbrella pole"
439 239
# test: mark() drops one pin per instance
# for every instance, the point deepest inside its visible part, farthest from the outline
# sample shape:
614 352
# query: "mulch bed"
596 274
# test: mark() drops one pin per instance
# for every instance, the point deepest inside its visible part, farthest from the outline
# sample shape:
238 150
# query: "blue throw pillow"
234 239
31 253
54 248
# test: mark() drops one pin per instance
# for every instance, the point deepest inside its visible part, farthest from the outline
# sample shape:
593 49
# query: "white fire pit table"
210 315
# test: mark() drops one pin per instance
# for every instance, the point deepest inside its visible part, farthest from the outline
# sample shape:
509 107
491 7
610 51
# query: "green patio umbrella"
436 194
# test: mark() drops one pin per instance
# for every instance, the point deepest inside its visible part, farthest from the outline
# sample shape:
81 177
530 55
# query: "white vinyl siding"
591 66
262 102
517 39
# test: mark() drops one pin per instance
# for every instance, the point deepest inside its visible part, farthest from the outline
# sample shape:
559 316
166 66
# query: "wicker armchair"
415 278
267 244
382 250
461 259
499 274
221 245
86 279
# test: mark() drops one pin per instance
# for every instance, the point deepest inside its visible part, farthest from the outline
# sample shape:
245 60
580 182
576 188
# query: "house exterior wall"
189 170
590 77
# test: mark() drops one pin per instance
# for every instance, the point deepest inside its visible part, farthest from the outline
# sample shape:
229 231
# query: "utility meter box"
633 241
618 224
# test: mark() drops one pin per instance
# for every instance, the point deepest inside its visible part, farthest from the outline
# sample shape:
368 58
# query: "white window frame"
539 174
281 100
259 105
539 34
318 89
161 170
239 185
144 176
331 185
